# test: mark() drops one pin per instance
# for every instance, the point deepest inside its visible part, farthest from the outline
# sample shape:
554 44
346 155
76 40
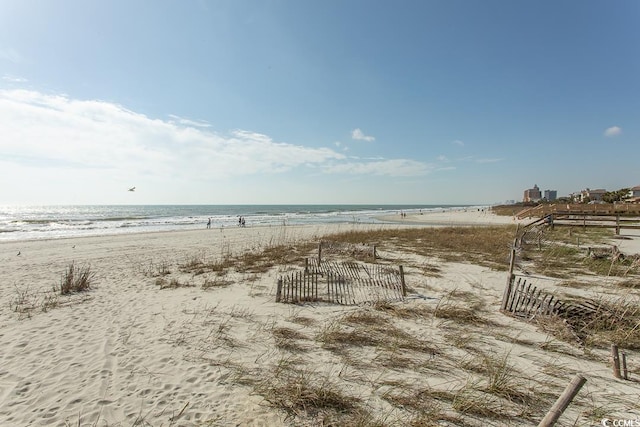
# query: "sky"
314 102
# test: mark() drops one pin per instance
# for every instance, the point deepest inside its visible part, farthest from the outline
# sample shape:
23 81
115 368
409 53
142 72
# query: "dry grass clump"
478 403
558 253
302 320
461 307
575 284
365 317
430 270
154 268
287 339
26 302
483 245
508 210
335 337
504 380
424 402
496 391
76 279
262 260
364 329
616 266
557 327
199 264
556 260
632 283
403 310
259 260
616 321
172 284
217 282
303 394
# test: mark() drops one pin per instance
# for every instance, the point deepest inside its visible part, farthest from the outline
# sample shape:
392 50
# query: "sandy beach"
157 342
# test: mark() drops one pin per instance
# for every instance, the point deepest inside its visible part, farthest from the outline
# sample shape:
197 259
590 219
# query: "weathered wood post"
563 401
279 290
320 253
404 286
507 289
617 224
306 265
615 360
374 253
625 373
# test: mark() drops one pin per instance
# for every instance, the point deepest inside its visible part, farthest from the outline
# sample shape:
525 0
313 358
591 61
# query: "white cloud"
390 167
488 160
442 158
56 142
341 146
188 122
613 131
458 142
358 135
13 79
57 131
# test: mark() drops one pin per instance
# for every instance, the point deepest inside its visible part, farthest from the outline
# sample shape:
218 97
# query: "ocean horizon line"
58 221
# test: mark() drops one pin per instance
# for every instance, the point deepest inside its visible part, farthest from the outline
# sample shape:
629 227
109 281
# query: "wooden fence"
542 210
355 270
346 284
525 300
602 216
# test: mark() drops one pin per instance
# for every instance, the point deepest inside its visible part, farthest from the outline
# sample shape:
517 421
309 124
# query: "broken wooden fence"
525 300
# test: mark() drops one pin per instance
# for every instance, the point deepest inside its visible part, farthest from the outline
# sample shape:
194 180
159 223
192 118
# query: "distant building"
634 195
550 195
588 195
532 194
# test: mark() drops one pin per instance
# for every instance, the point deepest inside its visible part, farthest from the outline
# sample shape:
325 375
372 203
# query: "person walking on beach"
209 223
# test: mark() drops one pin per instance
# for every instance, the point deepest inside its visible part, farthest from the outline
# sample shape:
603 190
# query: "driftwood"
563 401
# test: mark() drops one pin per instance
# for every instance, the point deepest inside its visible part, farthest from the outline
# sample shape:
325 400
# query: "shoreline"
455 217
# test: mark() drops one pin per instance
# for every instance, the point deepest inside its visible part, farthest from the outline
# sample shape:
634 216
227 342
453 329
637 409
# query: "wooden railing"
616 216
623 209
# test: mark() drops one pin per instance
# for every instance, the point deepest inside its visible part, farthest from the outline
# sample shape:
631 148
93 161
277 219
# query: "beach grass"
76 278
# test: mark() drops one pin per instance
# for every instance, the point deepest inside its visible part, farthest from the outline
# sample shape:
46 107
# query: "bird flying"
132 189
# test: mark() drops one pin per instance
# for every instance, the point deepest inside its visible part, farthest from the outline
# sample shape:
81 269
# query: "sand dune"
129 352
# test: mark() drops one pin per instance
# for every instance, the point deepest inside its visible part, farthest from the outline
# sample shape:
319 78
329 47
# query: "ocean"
51 222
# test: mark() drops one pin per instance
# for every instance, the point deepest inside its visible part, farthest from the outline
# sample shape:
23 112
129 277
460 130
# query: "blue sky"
338 101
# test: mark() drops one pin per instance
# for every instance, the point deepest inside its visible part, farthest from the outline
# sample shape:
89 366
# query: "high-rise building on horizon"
532 194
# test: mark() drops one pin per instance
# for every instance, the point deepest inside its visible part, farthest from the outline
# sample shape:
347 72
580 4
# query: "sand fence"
345 283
